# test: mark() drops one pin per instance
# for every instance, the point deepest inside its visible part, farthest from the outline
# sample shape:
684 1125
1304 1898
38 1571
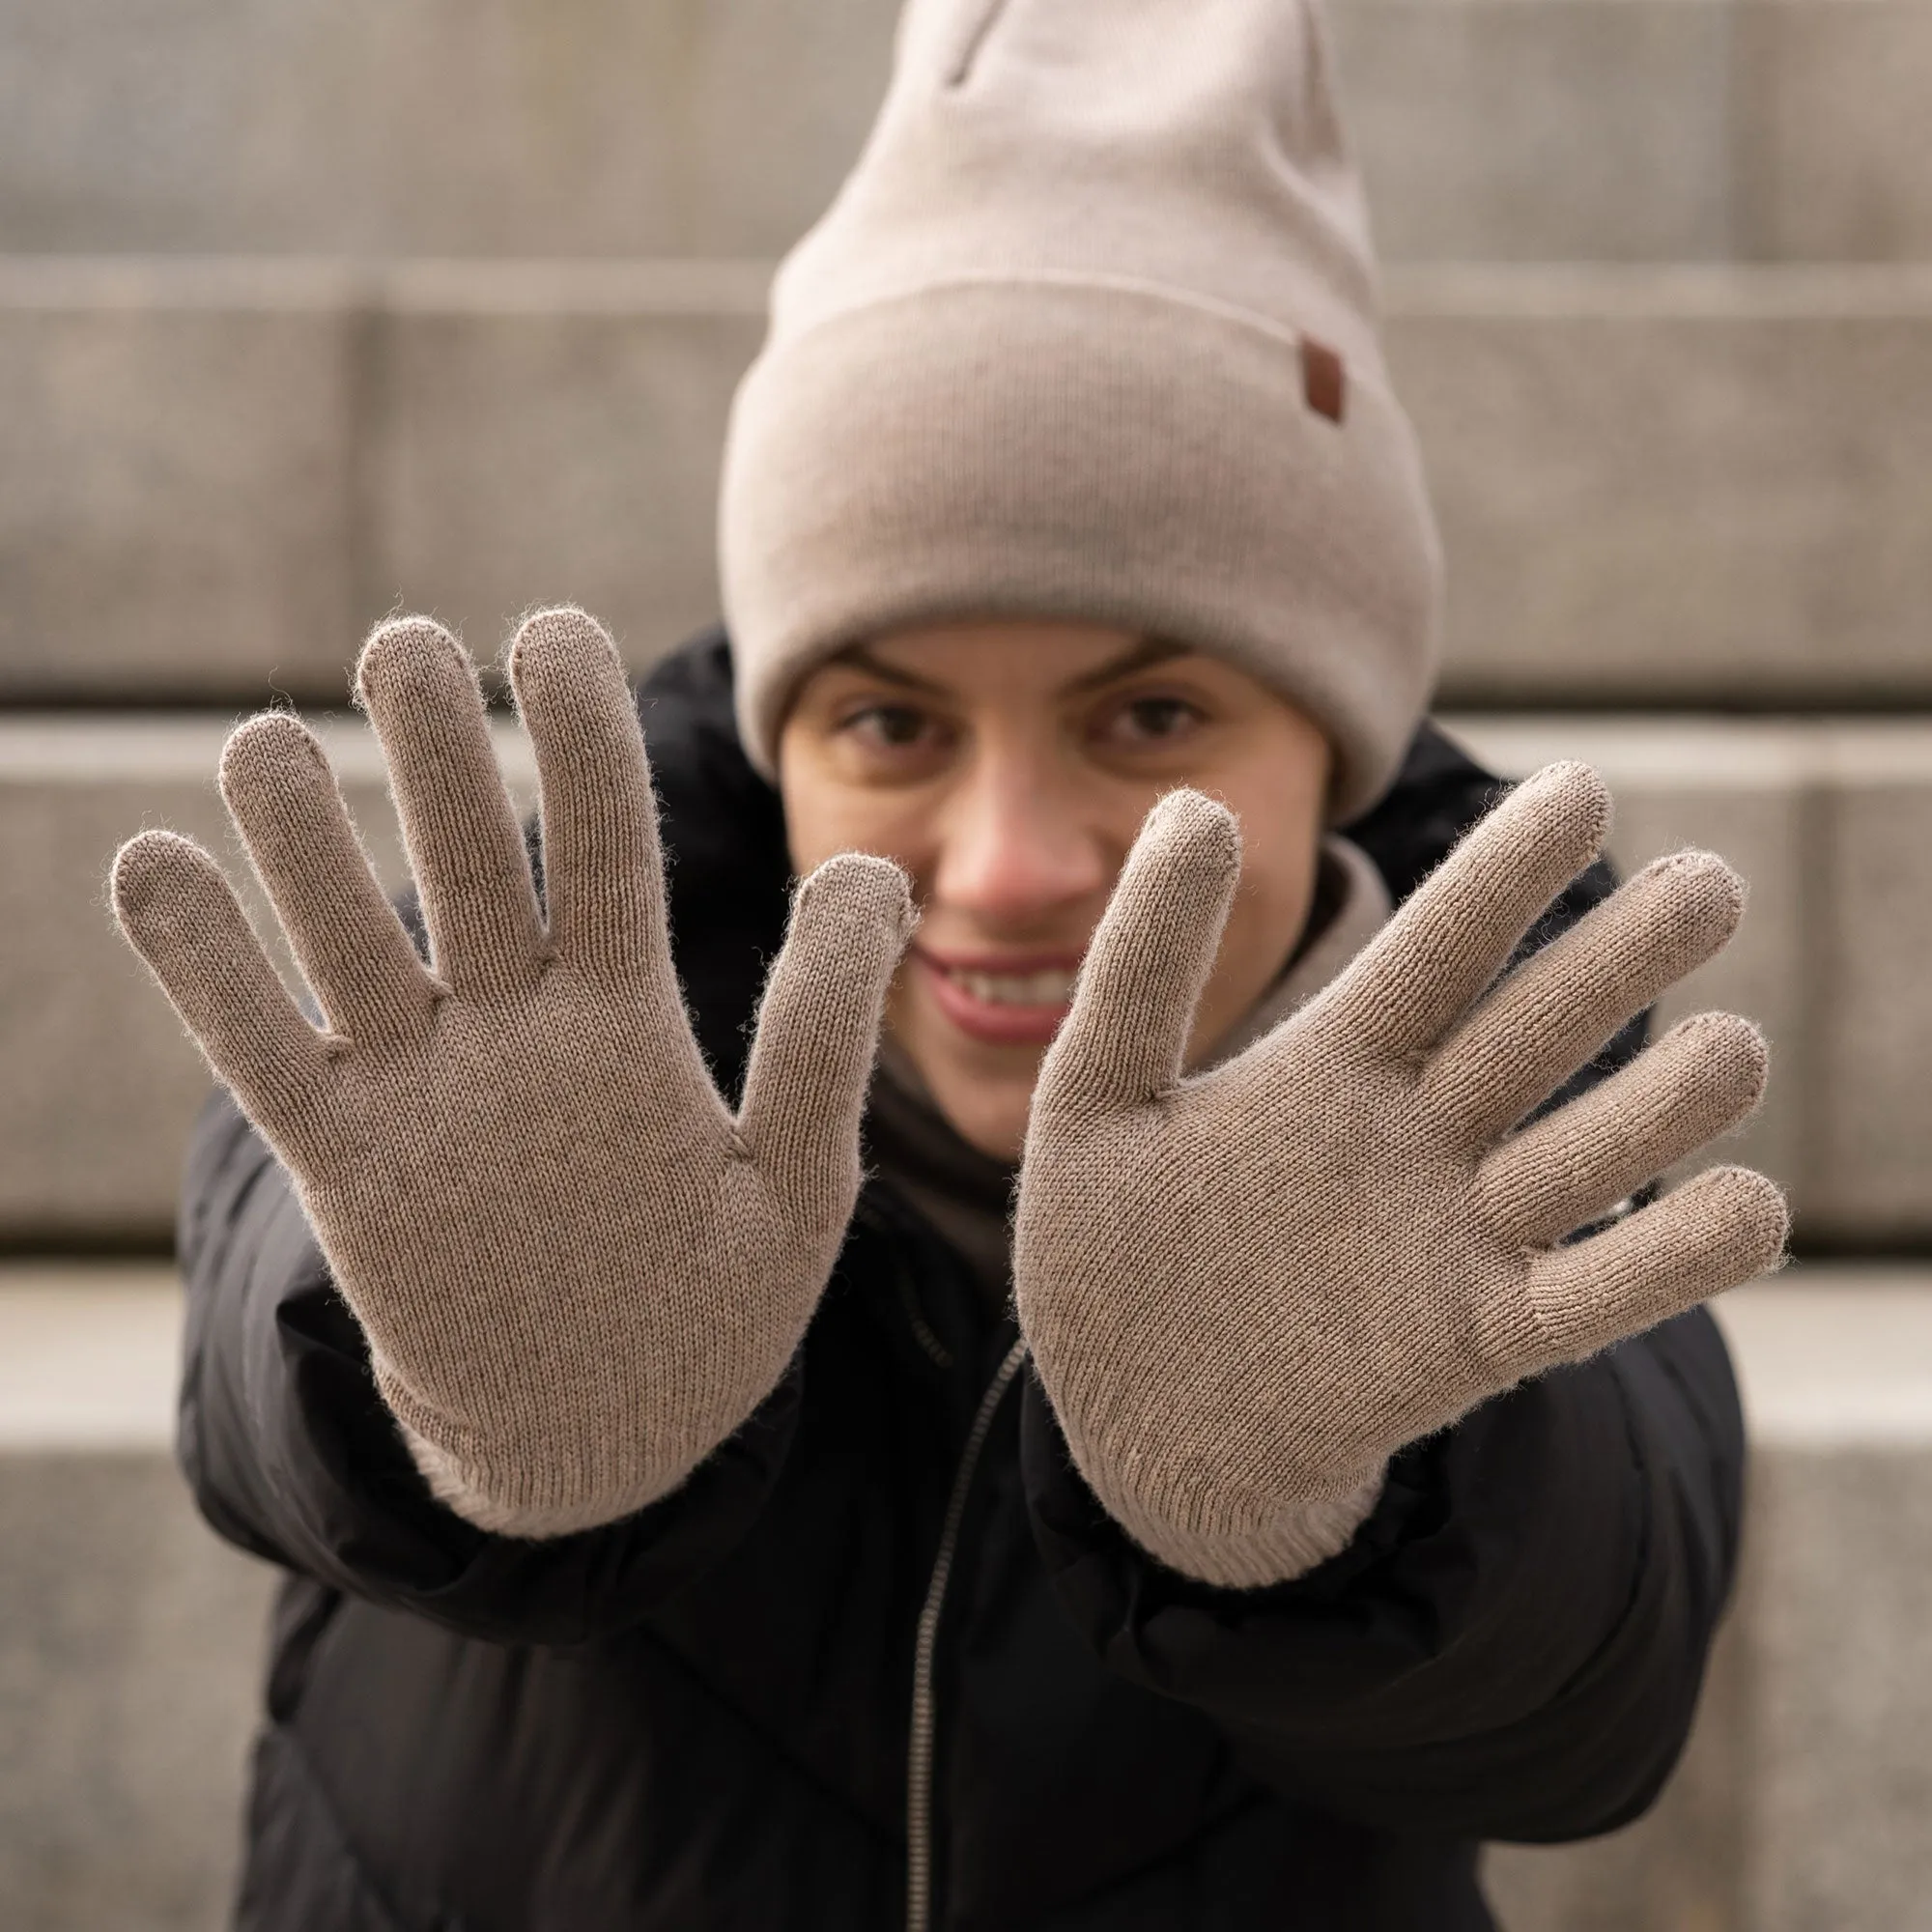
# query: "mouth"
1002 1002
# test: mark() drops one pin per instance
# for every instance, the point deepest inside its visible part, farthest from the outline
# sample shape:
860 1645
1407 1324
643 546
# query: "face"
1007 767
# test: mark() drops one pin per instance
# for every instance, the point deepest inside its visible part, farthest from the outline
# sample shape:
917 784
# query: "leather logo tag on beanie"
1325 381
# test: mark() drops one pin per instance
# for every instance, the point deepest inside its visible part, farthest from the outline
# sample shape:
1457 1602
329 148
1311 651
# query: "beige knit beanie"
1090 333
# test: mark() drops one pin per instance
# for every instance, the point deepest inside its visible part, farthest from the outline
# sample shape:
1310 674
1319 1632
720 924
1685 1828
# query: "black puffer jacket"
706 1718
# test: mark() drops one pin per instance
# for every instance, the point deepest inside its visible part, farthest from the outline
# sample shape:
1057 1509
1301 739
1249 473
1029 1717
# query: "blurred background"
308 311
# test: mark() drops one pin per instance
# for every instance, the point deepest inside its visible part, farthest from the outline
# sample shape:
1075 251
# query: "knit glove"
576 1270
1246 1289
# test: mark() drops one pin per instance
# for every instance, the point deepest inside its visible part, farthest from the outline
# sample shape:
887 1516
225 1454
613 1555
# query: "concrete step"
1631 129
1831 823
459 126
130 1638
1658 487
1677 487
1641 130
219 474
101 1083
1802 1800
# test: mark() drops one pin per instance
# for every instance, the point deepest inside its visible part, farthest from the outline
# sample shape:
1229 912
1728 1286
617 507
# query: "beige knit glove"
577 1272
1246 1289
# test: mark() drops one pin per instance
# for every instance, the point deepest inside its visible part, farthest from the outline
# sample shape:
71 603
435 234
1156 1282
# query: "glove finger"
818 1030
1124 1038
1444 948
1557 1008
603 872
480 903
181 917
345 934
1701 1080
1715 1231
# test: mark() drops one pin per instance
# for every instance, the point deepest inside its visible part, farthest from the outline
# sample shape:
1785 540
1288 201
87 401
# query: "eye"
1152 720
873 736
893 727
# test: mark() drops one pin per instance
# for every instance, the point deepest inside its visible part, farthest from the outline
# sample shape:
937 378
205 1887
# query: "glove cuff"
1299 1536
535 1494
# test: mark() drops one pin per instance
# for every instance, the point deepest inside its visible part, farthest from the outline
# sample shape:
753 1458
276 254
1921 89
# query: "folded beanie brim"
1042 448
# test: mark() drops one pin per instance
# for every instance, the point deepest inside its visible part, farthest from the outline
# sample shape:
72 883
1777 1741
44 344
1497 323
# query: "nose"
1014 849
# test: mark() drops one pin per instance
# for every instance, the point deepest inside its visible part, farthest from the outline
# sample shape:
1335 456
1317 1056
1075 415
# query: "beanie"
1090 333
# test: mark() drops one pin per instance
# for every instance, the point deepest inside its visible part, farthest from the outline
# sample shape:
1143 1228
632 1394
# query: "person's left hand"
1246 1289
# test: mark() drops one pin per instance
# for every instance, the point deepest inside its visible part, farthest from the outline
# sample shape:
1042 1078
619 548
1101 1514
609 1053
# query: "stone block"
1831 131
1845 1782
1640 130
220 474
131 1645
445 126
1491 131
551 439
1744 789
130 1638
1670 488
1657 488
89 1356
102 1085
1840 1599
176 499
1802 1800
1831 823
1870 1014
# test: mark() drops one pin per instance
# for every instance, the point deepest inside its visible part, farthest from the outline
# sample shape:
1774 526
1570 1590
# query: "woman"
1187 1474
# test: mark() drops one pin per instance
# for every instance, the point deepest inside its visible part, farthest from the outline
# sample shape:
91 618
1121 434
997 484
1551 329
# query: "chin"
985 1096
1001 1139
983 1089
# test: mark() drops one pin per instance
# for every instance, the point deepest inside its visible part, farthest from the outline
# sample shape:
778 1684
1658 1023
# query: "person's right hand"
578 1273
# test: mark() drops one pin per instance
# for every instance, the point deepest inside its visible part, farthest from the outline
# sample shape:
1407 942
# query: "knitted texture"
1246 1289
577 1271
1091 333
1352 905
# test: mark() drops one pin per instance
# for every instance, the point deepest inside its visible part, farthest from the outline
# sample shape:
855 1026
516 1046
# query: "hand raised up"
577 1271
1246 1289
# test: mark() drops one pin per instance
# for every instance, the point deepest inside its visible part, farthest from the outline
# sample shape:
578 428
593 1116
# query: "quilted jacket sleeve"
1513 1645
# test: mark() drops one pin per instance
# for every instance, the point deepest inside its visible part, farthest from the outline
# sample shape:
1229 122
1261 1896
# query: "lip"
994 1024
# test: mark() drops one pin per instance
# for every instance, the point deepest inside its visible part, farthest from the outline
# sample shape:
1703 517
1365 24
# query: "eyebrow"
1148 651
860 657
1136 657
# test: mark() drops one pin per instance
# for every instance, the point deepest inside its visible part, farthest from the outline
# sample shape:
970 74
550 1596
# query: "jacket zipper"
930 1345
918 1760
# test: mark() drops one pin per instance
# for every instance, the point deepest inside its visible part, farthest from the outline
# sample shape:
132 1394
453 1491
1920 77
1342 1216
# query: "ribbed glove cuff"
1202 1542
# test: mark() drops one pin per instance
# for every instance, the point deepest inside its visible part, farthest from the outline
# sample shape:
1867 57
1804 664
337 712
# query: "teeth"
1053 987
